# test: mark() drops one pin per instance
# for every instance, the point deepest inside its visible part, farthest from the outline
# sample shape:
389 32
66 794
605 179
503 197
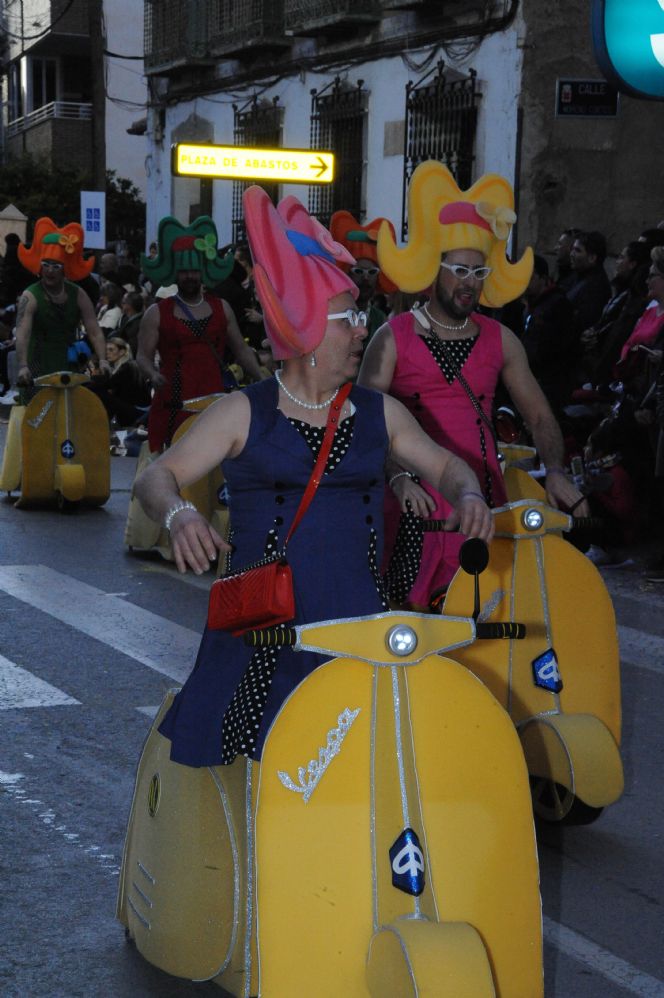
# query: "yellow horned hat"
441 218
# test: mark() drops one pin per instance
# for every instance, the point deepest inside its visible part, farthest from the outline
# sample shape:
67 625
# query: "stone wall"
66 142
588 172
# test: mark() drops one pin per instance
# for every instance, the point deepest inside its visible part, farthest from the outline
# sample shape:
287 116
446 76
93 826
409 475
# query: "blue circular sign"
628 36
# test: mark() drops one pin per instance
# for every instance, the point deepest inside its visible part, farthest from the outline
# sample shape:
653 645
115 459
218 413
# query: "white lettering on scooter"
40 417
310 777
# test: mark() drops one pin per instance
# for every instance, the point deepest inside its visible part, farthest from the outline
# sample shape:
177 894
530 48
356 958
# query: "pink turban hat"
295 271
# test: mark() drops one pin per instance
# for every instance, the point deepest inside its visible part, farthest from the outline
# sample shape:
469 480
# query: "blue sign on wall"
628 36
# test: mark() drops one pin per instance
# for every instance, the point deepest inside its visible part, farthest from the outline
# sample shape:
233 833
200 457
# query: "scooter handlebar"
509 630
280 637
271 637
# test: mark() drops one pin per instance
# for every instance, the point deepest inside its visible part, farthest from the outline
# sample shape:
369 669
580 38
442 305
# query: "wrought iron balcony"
56 109
177 33
320 17
241 27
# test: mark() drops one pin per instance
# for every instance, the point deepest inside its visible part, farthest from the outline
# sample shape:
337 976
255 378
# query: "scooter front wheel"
555 804
66 505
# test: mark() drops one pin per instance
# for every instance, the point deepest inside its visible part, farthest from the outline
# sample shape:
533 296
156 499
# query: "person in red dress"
190 331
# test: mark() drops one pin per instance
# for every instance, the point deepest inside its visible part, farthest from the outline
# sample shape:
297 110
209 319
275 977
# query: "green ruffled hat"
187 247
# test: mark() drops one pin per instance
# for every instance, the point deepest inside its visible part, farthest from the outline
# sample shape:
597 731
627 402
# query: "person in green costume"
50 310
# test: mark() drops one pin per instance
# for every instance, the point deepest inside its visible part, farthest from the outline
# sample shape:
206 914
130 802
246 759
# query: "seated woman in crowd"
110 312
125 391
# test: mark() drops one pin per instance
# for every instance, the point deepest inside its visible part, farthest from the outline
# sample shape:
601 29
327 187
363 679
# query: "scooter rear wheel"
556 805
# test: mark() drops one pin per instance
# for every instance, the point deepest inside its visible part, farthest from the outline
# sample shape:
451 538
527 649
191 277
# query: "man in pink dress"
444 360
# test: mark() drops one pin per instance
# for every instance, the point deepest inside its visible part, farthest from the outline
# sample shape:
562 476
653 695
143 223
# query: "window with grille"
257 124
338 115
441 123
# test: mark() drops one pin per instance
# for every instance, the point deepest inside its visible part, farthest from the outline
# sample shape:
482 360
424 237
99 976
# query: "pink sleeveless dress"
443 409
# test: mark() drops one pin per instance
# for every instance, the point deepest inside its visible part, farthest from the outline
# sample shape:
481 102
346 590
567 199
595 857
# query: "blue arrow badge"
546 672
407 863
67 449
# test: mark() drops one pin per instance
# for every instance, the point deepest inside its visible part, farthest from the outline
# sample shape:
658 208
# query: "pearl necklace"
297 401
190 304
442 324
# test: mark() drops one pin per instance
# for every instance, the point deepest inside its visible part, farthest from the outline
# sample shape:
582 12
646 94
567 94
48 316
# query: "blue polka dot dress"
233 694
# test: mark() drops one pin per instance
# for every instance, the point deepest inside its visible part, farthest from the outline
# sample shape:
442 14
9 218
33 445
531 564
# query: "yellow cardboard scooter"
383 846
561 685
144 534
57 446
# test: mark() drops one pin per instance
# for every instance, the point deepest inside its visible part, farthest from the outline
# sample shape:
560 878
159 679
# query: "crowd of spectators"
595 343
593 332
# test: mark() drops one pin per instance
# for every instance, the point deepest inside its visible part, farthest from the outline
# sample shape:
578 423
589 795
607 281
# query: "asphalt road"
91 638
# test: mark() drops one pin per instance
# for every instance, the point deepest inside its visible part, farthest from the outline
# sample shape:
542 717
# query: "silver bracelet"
399 474
177 508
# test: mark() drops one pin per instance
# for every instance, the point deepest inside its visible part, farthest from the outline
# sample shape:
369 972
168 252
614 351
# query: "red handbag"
262 595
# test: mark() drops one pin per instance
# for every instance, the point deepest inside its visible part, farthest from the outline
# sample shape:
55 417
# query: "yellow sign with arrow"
285 166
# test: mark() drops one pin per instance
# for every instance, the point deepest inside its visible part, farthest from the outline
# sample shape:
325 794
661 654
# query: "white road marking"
19 688
643 650
602 961
150 712
168 648
168 568
11 784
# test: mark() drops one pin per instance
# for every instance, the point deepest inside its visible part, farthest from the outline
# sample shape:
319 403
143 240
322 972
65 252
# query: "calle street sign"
291 166
586 99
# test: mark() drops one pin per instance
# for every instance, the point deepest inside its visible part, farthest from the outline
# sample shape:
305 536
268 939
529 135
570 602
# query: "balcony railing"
319 17
243 26
177 32
56 109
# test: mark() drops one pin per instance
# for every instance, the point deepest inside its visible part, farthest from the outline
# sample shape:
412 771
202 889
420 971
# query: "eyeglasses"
52 266
365 271
352 316
462 273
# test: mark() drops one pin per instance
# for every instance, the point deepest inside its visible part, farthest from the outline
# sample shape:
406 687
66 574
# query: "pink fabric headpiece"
295 271
462 211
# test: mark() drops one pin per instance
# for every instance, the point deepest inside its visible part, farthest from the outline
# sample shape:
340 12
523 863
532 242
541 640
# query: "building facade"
65 98
386 84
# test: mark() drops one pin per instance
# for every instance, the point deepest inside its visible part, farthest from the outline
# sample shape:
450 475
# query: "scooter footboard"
576 751
414 957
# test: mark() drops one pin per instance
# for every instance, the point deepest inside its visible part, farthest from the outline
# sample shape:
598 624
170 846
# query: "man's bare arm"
413 449
379 361
536 411
241 351
148 340
27 305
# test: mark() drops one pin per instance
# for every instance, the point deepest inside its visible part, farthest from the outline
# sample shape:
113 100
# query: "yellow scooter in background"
144 534
57 446
561 685
384 845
